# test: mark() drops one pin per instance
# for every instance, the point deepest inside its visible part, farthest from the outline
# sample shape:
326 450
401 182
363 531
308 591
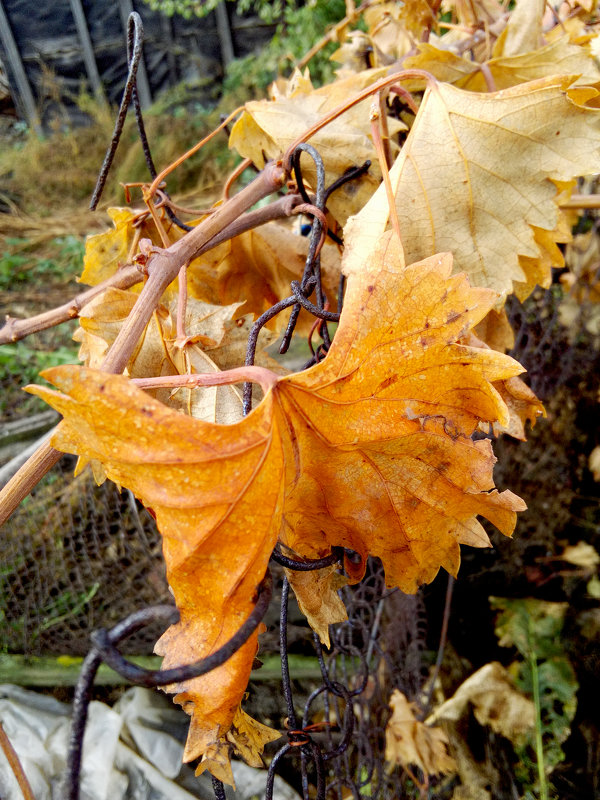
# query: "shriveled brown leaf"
496 703
246 738
409 742
317 595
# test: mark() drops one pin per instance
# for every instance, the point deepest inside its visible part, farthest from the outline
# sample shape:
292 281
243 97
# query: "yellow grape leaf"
370 449
267 128
470 13
255 269
354 55
523 32
559 57
581 554
477 176
388 35
409 742
106 252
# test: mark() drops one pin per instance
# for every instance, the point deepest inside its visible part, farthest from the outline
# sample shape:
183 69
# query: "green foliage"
299 30
268 11
534 628
18 265
19 360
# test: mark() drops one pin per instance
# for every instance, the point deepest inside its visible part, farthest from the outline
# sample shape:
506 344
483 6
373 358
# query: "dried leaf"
559 57
582 555
409 742
496 703
496 331
524 30
522 403
523 406
267 128
371 449
594 463
158 352
255 270
456 188
318 598
246 738
387 33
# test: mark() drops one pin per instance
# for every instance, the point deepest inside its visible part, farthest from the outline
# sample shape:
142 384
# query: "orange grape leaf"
522 403
457 189
371 450
523 406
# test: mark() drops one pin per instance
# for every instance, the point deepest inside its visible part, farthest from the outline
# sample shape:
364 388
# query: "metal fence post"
88 50
21 91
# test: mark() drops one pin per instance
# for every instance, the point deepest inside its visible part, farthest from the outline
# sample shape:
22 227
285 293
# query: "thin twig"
441 648
128 275
381 155
332 115
15 765
260 375
16 329
239 170
26 479
135 32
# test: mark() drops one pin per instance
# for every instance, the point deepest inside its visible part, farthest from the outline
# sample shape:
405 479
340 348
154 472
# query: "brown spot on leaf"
387 382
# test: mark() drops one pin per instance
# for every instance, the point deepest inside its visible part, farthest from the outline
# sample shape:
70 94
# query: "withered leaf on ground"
496 703
370 449
409 742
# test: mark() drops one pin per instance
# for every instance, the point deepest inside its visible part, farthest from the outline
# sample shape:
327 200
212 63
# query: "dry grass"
47 182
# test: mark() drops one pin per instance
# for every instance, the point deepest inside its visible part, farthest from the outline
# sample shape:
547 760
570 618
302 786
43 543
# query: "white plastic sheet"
130 752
